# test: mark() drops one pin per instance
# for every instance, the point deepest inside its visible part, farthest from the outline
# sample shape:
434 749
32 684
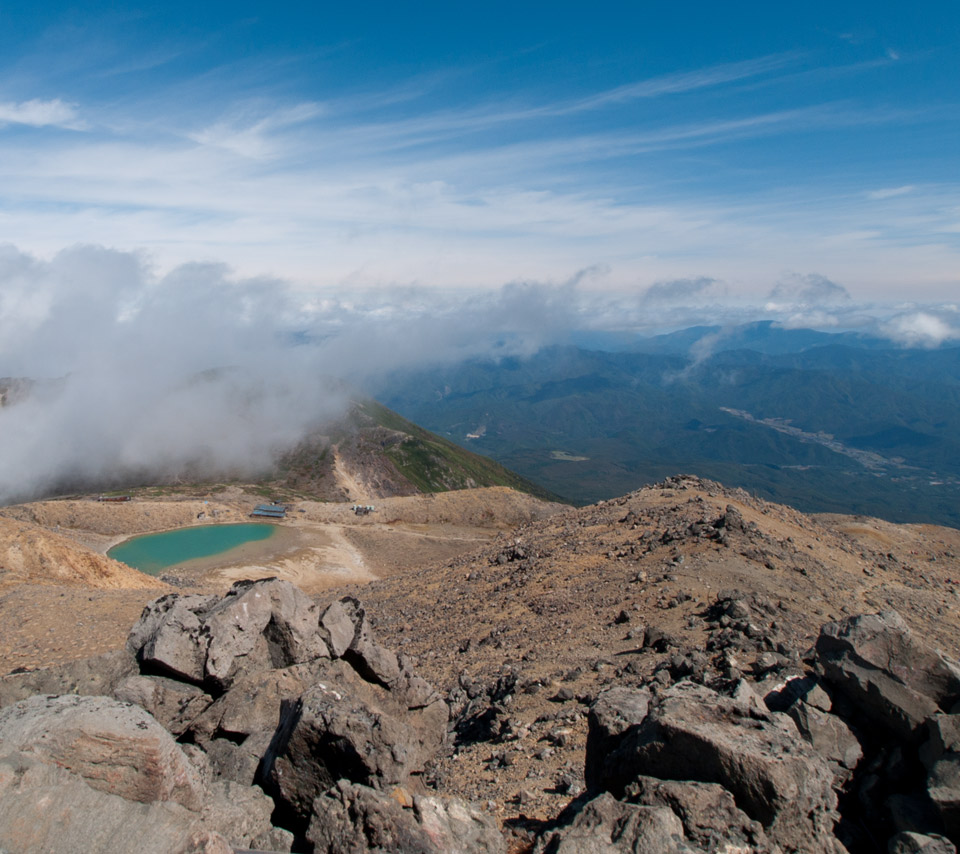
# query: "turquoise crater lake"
153 553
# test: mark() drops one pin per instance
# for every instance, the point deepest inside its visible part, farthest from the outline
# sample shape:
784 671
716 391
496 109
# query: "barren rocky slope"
583 600
581 642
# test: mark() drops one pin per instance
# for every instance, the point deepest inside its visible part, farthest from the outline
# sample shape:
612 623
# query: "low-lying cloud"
139 375
810 289
198 372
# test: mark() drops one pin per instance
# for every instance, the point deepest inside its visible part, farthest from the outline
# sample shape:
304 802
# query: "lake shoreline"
158 552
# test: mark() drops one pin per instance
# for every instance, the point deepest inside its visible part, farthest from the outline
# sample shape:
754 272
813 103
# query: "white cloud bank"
143 374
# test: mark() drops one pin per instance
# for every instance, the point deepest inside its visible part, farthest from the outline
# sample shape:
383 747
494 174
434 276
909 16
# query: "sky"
216 218
636 147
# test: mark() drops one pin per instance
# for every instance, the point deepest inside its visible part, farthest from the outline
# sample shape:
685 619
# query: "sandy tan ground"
475 584
62 598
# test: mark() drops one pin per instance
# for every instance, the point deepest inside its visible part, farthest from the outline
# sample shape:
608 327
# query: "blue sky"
471 145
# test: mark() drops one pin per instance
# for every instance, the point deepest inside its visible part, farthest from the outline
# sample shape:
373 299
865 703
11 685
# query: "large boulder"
174 704
829 736
169 636
92 677
115 747
892 678
344 727
242 815
694 733
615 712
208 641
353 819
44 807
710 816
260 625
236 729
605 825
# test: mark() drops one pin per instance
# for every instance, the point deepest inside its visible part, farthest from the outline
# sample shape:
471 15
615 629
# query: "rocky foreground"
686 668
261 721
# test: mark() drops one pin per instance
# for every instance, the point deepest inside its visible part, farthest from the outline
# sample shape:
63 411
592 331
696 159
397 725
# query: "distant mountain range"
827 422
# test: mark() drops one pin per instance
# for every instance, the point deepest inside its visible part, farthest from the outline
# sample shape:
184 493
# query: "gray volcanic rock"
344 727
258 625
827 734
91 677
693 733
891 676
46 808
453 825
612 714
352 819
236 730
115 747
708 812
919 843
339 624
943 736
943 786
608 826
261 624
242 815
372 661
174 704
169 636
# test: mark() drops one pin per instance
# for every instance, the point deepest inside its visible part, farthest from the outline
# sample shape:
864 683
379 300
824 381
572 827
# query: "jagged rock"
943 786
372 661
47 808
252 704
352 819
828 735
693 733
608 826
943 736
115 747
338 622
708 812
258 625
174 704
237 729
918 843
91 677
893 678
239 813
453 825
344 727
612 714
169 636
745 694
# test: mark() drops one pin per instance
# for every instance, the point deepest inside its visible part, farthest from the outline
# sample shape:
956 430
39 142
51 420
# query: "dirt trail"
348 481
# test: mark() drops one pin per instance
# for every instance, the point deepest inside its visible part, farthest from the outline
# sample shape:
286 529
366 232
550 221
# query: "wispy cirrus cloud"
890 192
38 113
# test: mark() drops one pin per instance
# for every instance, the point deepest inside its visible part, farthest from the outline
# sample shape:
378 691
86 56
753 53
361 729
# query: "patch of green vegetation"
435 464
